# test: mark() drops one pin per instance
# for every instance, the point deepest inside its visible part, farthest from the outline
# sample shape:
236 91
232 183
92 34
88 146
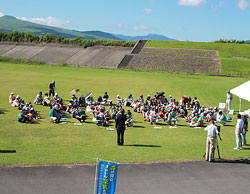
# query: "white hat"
118 95
12 93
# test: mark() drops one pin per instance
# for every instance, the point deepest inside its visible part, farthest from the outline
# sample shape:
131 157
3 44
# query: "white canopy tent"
242 91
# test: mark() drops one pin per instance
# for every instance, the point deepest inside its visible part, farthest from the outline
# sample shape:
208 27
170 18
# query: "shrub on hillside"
231 41
50 38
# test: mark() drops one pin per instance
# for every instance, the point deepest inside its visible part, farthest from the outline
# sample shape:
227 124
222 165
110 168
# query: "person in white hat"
229 100
54 114
118 99
11 98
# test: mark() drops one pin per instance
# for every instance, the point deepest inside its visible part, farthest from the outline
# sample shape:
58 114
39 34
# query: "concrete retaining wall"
107 57
177 60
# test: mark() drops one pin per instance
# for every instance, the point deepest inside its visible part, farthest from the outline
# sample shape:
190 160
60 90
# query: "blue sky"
193 20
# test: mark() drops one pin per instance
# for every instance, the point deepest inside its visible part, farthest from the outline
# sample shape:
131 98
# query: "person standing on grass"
52 87
229 100
212 132
120 127
245 129
238 131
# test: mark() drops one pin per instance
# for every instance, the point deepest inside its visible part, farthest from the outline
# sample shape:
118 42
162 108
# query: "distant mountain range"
10 24
147 37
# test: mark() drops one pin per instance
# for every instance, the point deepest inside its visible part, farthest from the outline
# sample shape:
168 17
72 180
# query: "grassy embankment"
47 143
235 58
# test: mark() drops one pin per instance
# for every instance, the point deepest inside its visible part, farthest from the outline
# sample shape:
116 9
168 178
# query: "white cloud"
242 4
193 3
1 14
50 21
141 27
147 10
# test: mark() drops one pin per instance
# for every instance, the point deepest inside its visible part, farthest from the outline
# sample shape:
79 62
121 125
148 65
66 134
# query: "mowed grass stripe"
47 143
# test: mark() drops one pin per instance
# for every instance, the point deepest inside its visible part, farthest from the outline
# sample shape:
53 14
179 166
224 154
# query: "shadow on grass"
246 149
7 151
229 125
164 124
31 123
137 126
140 145
137 122
179 125
89 122
240 161
3 111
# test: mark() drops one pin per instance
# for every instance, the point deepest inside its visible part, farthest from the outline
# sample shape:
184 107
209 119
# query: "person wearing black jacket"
120 127
52 86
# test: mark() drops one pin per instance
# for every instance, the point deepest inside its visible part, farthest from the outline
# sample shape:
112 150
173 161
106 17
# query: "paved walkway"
228 177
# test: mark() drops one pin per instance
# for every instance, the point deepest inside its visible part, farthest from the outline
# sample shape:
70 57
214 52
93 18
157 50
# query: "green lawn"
47 143
235 58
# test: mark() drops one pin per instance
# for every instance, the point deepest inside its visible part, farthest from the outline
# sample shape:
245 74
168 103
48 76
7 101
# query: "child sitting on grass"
79 115
24 117
39 98
196 121
129 121
54 114
46 100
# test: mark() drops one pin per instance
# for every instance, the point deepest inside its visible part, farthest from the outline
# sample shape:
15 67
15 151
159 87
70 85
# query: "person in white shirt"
238 130
221 118
11 98
212 133
39 98
229 100
154 117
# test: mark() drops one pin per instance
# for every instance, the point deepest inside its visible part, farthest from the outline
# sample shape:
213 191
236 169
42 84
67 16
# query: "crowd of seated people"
153 109
103 110
101 115
27 111
157 108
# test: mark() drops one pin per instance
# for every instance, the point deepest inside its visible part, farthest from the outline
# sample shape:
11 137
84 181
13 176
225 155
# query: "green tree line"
231 41
50 38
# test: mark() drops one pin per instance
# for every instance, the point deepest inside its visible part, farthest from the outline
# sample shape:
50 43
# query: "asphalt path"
200 177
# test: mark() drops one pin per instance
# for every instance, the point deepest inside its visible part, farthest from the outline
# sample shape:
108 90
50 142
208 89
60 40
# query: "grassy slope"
51 143
232 56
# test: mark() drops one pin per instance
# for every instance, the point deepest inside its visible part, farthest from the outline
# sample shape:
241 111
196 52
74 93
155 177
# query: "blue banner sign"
107 175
